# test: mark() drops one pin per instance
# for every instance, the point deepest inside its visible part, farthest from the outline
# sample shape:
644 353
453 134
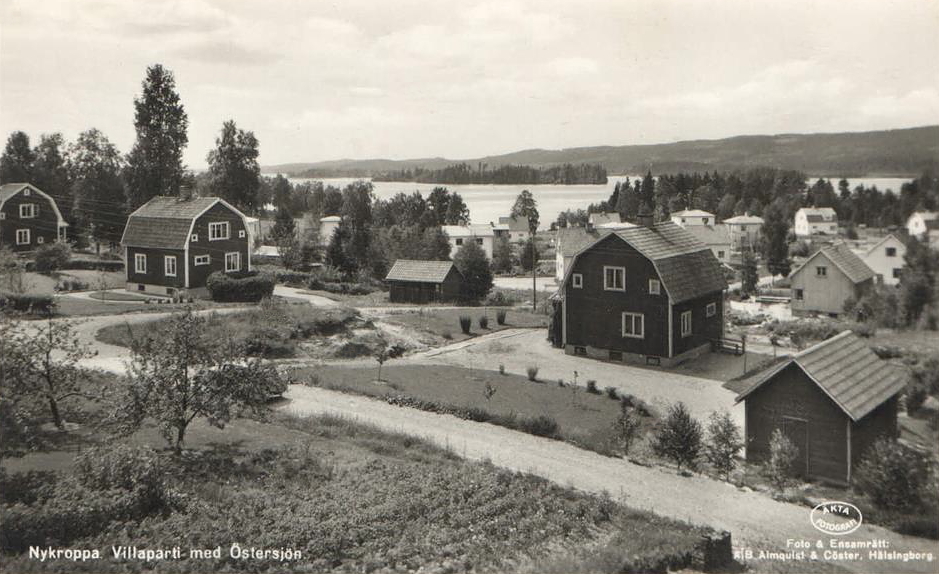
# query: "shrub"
778 467
52 256
532 372
500 316
541 425
501 369
626 428
483 322
293 278
446 335
500 299
592 387
28 303
118 467
893 475
679 437
71 284
244 287
723 443
465 323
611 392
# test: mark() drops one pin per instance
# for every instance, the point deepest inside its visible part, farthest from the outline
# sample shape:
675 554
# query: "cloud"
360 118
222 51
573 66
368 91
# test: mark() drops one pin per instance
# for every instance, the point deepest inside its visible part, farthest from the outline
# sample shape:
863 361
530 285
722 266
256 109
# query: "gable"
9 191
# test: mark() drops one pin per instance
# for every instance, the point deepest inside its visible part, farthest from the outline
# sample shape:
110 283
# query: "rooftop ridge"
821 344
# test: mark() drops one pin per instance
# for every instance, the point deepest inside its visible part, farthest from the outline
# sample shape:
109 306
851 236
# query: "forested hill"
901 153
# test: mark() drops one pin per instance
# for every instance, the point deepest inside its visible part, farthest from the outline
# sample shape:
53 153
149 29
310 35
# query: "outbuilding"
413 281
832 400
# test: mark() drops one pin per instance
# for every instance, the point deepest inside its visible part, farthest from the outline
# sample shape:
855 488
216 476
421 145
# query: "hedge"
28 303
84 264
240 288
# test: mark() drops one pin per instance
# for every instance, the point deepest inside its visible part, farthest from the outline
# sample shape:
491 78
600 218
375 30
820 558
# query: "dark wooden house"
29 218
411 281
651 293
172 245
832 400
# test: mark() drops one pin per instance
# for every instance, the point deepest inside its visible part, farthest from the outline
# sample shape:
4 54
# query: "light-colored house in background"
811 221
512 228
328 226
482 234
598 219
886 259
745 231
827 279
717 237
688 217
920 223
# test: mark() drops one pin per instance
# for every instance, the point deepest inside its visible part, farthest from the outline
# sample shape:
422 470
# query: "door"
797 431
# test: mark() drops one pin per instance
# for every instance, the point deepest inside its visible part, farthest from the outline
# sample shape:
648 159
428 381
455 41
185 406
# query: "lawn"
45 283
583 418
445 323
118 296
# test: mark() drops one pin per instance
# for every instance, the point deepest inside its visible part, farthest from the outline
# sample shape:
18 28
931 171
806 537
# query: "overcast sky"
348 78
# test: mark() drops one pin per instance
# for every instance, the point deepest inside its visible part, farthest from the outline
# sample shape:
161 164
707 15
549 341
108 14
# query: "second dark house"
411 281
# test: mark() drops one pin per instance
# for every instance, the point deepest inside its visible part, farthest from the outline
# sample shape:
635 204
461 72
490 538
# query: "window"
232 262
614 278
218 231
710 310
582 351
241 233
140 263
194 238
821 271
799 294
26 191
22 237
720 254
201 260
459 241
705 220
686 323
169 265
28 210
2 216
655 287
40 240
743 228
578 280
633 325
896 272
891 252
479 241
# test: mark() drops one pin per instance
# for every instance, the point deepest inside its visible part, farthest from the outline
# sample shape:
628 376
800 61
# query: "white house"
920 223
483 235
811 221
512 228
886 259
744 230
603 218
328 226
688 217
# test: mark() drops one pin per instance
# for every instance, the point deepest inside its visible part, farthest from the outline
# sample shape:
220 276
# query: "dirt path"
756 521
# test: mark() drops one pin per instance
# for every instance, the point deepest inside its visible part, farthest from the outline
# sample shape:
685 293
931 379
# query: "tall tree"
775 244
50 173
526 206
16 163
457 211
155 164
502 256
95 171
233 168
356 214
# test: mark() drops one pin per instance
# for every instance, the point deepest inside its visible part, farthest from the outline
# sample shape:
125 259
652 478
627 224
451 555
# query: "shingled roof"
710 234
846 369
164 222
419 271
844 259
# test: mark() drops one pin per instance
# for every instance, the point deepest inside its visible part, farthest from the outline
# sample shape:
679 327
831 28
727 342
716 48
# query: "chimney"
645 218
589 227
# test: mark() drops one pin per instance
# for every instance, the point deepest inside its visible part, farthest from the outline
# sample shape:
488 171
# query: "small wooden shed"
411 281
832 400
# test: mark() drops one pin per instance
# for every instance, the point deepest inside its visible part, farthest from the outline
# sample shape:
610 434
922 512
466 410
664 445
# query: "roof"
926 215
331 219
474 230
818 214
8 190
570 240
601 218
744 220
513 223
165 222
419 271
693 213
710 234
844 259
885 240
846 369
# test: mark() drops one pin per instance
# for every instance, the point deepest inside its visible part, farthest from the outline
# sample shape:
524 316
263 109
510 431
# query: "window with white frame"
710 310
232 262
140 263
686 323
201 260
169 265
614 278
578 280
28 210
40 240
26 191
241 233
22 237
218 231
633 325
194 238
655 287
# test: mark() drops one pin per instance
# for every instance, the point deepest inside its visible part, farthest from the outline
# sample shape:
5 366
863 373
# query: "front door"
796 430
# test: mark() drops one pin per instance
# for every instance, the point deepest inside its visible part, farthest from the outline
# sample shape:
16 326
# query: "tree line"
462 173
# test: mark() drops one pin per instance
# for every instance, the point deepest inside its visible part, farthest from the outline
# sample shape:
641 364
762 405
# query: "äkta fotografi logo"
836 518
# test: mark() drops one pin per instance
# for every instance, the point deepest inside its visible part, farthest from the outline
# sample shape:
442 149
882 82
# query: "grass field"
445 323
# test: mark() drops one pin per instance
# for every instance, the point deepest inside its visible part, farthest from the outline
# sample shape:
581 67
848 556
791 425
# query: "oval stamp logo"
836 518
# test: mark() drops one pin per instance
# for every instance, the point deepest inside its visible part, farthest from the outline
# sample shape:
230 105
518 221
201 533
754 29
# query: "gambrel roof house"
173 244
29 217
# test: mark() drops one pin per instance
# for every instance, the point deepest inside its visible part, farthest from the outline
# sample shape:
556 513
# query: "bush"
500 316
483 322
53 256
465 323
28 303
778 468
532 372
293 278
723 443
71 284
542 425
679 437
611 392
501 369
626 428
446 335
243 288
592 387
893 475
501 299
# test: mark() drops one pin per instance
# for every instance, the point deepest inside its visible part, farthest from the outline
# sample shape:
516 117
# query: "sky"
320 80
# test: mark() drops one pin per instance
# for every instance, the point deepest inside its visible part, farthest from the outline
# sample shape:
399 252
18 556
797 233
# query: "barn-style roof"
165 222
415 271
8 190
844 259
847 370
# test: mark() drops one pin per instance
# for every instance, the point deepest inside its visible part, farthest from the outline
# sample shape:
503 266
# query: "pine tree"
233 168
155 164
16 163
749 275
679 438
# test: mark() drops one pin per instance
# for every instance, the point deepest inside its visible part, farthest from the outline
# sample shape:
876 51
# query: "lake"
489 202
